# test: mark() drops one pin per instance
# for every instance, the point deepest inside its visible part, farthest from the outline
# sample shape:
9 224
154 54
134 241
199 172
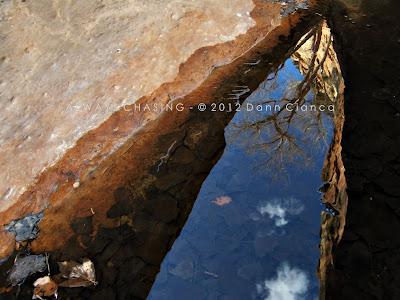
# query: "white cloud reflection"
289 284
278 210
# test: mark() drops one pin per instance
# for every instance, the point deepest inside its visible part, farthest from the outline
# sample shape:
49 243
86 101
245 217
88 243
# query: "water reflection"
254 230
289 284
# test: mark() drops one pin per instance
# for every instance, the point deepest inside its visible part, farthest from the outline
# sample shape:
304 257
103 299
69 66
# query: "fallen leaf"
44 287
77 275
223 200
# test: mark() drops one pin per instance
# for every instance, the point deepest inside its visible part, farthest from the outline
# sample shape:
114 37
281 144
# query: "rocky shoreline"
123 210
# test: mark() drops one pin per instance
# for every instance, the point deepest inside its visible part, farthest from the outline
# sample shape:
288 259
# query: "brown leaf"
44 287
223 200
77 275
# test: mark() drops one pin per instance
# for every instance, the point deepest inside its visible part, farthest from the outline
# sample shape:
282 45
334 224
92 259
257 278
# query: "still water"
253 232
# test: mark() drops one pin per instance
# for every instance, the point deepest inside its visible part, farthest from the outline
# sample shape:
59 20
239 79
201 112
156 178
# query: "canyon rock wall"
317 60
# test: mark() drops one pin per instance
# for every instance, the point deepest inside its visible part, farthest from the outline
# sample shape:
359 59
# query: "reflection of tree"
287 136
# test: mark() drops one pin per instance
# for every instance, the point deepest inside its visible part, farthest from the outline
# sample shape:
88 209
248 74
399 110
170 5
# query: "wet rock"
182 155
389 181
109 252
25 228
145 248
170 179
82 225
109 274
130 268
357 182
138 289
162 206
124 203
26 266
393 202
107 293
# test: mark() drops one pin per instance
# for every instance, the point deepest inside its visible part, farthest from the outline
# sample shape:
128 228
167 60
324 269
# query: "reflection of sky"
248 236
288 284
279 209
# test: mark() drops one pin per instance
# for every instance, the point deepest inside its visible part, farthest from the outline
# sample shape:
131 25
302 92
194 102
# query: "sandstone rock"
66 67
70 74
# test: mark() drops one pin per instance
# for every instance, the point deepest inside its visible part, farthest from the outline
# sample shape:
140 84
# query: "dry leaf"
77 275
44 287
223 200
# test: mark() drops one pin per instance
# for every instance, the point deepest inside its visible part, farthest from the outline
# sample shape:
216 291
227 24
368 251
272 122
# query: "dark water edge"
366 263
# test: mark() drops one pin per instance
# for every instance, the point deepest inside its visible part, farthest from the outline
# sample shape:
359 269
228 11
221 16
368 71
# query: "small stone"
76 184
26 266
25 228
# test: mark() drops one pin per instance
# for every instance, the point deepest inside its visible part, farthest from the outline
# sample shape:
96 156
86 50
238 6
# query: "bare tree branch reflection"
288 135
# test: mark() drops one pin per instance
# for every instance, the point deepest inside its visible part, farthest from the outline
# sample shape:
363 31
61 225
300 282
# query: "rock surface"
67 66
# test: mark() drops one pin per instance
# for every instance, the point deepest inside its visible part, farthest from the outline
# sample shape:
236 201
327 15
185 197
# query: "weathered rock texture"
68 65
123 191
